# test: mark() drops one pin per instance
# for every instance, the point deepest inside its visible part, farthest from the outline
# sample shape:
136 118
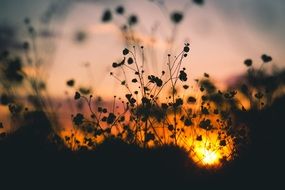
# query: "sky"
222 34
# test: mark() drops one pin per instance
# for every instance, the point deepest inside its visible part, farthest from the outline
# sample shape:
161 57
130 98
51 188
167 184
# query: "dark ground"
27 160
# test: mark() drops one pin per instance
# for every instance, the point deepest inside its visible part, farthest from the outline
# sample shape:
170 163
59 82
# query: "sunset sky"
157 94
222 33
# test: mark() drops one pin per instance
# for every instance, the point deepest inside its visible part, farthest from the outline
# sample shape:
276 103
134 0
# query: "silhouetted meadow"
156 136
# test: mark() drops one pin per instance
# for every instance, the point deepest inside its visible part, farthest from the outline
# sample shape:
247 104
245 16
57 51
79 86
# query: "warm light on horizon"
209 157
208 153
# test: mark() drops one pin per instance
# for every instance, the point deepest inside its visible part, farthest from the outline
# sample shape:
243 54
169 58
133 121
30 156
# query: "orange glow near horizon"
208 153
208 148
205 153
208 157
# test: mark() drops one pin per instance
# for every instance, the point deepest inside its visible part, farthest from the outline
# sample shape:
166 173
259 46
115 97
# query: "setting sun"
208 153
208 156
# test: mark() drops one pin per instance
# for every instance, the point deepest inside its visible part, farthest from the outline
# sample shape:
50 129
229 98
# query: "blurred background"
222 33
77 44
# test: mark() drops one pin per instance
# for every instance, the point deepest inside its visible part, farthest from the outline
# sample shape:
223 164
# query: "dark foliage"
37 149
70 83
199 2
120 10
132 20
176 17
107 16
248 62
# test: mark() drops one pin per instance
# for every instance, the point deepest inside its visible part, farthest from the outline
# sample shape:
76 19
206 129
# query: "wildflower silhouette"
150 117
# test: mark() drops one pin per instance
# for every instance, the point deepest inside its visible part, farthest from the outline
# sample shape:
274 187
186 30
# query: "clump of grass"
158 110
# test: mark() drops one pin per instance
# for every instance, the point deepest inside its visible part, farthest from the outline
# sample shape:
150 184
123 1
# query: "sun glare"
208 157
209 153
208 149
